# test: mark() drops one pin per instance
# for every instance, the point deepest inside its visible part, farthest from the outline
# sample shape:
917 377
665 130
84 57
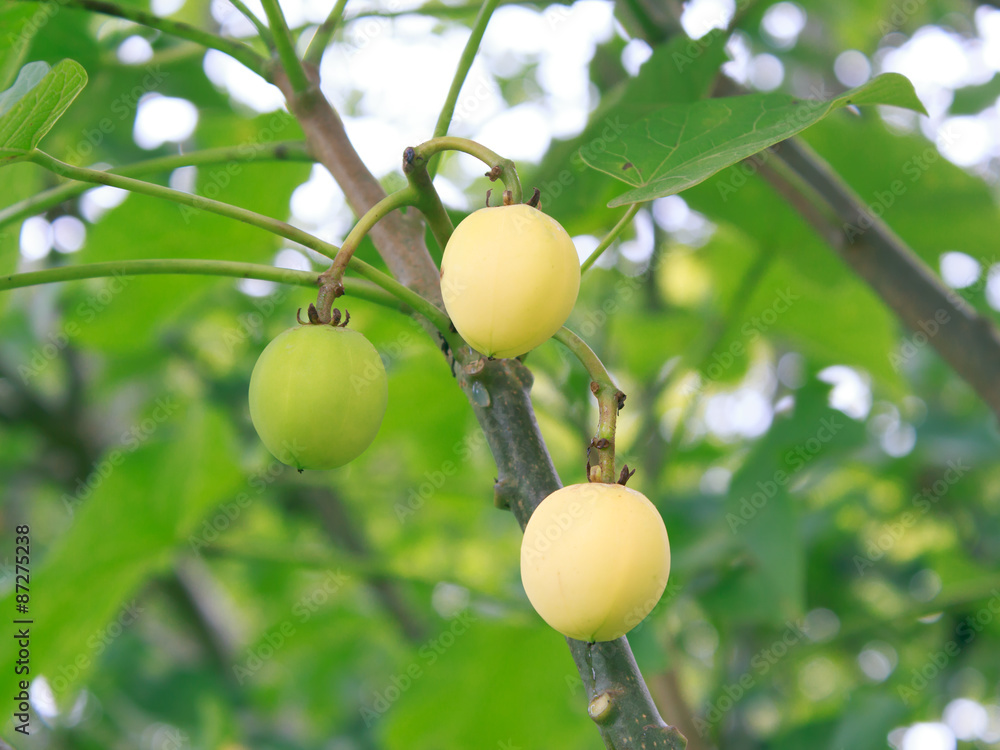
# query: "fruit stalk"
332 280
609 402
500 168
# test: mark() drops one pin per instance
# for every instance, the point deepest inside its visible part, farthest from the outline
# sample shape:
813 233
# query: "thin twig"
321 39
237 50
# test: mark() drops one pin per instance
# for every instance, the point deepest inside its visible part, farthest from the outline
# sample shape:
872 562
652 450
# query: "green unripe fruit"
317 396
509 277
595 559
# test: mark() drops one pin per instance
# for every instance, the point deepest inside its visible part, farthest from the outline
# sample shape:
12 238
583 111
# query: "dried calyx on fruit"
317 395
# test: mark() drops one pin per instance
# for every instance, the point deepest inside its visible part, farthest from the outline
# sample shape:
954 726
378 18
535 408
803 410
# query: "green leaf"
28 77
680 146
15 19
35 111
971 100
678 72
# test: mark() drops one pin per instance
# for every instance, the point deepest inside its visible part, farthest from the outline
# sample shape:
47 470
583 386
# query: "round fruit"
317 396
509 278
594 560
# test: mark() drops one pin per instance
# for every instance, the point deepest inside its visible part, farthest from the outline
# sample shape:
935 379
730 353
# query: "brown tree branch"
965 339
526 474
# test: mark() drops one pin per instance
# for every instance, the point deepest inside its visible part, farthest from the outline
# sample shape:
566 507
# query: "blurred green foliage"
190 592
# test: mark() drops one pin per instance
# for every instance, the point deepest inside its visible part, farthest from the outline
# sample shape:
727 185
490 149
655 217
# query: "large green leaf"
679 72
682 145
36 110
147 496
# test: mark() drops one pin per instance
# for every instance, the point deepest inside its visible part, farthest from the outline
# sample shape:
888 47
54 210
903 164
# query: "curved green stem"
238 50
321 39
405 197
429 204
610 236
174 266
464 64
500 168
280 228
283 150
285 47
609 402
262 30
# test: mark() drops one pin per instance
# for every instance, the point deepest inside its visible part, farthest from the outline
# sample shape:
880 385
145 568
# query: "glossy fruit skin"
595 559
509 277
317 396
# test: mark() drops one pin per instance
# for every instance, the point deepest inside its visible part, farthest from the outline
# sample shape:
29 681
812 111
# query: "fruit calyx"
315 318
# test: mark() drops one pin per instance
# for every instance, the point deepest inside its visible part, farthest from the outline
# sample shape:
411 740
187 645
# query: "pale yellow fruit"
595 559
509 278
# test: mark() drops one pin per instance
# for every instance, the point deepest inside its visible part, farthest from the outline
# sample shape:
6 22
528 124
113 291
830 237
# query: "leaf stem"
244 53
609 401
283 150
280 228
192 267
321 39
286 47
464 64
610 237
500 168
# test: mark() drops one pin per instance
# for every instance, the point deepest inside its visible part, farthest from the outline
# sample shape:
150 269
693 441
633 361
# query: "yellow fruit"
317 396
509 277
595 560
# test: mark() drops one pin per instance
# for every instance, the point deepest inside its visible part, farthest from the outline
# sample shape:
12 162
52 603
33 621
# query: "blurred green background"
829 486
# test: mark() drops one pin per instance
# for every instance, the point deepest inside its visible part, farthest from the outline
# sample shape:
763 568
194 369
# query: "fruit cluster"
509 278
595 557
